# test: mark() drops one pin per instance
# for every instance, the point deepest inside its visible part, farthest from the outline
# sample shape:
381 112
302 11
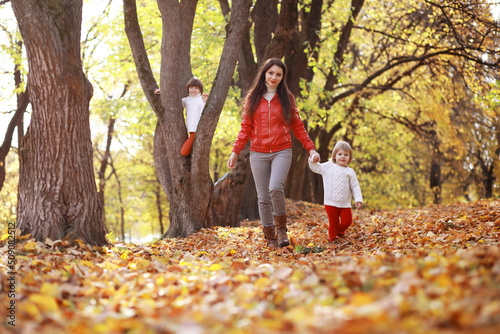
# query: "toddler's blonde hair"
342 145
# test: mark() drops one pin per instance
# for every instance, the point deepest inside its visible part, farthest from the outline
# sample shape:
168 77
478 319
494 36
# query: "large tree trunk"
57 191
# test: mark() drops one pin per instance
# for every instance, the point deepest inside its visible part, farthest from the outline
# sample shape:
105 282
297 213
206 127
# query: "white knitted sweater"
340 184
194 107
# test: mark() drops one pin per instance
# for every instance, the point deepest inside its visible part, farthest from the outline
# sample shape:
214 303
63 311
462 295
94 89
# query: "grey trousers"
269 172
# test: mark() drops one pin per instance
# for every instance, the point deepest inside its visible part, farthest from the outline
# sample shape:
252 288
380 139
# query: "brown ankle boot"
280 222
270 235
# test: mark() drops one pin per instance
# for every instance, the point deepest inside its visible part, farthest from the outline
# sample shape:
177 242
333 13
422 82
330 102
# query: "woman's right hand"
231 162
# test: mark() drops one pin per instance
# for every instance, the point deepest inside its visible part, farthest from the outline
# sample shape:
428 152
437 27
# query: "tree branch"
332 78
142 64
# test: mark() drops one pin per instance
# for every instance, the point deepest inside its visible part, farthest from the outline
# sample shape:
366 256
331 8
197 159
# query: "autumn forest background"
413 86
116 231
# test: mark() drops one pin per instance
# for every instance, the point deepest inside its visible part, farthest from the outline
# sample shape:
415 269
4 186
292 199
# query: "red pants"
188 144
340 219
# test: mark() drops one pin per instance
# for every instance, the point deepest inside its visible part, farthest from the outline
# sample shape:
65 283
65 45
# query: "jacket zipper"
269 113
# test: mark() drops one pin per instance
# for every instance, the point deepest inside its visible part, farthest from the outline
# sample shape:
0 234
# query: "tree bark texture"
57 195
265 16
228 193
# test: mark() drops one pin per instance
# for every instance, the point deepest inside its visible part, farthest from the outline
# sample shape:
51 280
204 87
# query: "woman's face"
274 75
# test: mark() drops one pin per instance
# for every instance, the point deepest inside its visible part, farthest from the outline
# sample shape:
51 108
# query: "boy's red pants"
340 219
188 144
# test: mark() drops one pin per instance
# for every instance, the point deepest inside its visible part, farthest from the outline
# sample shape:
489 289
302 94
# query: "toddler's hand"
204 97
314 156
157 91
359 205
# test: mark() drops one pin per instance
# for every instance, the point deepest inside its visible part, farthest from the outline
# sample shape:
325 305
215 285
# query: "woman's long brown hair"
259 88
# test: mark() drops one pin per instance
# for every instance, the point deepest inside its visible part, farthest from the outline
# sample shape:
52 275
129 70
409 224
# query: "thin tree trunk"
120 199
104 165
435 180
57 195
159 208
17 118
16 121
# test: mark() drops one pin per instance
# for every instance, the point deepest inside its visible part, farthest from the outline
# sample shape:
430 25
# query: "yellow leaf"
124 255
360 298
5 236
45 303
214 267
32 310
86 263
241 278
31 245
299 314
444 280
109 266
262 282
49 289
142 264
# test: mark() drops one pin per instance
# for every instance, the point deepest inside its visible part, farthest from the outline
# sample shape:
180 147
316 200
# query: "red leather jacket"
268 129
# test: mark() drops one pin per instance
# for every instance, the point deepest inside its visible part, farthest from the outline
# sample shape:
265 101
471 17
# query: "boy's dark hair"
194 81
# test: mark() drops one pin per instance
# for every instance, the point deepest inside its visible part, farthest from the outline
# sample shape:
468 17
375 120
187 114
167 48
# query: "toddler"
340 185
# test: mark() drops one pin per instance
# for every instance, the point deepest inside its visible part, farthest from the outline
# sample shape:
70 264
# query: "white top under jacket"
340 184
194 107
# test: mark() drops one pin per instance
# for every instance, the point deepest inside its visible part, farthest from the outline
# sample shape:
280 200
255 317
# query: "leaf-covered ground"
429 270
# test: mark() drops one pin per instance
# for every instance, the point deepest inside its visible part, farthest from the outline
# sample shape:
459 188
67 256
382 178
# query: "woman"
269 113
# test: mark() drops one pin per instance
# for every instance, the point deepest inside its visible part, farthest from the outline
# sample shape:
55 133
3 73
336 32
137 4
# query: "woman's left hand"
314 156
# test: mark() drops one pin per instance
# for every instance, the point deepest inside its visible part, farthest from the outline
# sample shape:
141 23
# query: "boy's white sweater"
194 107
340 184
